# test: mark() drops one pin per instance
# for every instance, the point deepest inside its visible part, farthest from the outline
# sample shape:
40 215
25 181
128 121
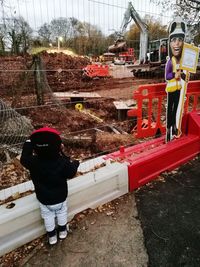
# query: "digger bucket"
120 46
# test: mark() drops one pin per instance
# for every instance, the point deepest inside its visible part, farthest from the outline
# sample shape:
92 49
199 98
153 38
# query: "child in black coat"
49 170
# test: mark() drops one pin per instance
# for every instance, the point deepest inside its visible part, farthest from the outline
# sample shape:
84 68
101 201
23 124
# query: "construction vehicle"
120 44
151 54
126 57
156 59
158 50
107 58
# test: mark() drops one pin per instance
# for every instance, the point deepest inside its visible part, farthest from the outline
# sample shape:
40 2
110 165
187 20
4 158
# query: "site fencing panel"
43 82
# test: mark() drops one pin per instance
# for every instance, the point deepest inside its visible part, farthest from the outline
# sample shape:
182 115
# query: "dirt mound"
63 72
59 118
11 72
60 60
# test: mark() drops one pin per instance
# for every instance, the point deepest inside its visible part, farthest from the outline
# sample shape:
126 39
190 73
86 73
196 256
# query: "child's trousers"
50 212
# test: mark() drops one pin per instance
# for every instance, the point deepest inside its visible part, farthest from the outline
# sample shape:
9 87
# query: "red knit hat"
46 129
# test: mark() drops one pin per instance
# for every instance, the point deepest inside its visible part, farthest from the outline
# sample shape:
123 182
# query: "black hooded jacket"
49 175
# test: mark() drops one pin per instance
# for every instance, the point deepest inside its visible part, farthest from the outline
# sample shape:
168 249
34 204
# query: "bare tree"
82 37
45 33
189 10
89 39
59 28
19 33
2 39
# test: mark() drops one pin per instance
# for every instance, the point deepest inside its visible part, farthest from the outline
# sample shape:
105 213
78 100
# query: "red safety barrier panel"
147 160
95 70
154 96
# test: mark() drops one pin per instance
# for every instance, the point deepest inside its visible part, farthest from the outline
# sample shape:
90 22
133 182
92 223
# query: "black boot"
174 130
168 135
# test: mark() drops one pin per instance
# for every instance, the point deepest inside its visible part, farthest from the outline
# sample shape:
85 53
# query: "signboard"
189 58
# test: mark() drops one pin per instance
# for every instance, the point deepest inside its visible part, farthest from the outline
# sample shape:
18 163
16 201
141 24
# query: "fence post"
39 79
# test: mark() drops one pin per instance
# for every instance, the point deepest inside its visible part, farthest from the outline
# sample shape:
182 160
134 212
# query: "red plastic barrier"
130 52
154 96
95 70
147 160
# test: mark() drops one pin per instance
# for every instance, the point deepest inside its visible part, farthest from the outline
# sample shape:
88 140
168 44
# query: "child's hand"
62 147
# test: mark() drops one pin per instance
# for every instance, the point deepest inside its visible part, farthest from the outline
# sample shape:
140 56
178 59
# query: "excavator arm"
130 14
143 33
126 20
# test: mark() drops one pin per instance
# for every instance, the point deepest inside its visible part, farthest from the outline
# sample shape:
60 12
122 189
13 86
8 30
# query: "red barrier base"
147 160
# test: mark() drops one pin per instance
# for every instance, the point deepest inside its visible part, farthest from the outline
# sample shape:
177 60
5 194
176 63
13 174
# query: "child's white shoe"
53 240
62 234
69 230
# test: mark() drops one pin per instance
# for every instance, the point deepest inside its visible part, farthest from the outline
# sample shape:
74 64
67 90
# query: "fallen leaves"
15 196
17 257
13 173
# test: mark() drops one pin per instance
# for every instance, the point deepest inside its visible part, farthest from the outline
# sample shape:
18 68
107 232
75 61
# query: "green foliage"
37 50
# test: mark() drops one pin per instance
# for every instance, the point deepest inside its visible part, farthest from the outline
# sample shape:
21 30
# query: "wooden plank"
64 95
122 106
125 104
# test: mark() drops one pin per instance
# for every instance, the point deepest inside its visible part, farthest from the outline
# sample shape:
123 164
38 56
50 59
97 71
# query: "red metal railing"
154 96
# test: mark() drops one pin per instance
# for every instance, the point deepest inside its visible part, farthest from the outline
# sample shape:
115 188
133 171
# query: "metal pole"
58 44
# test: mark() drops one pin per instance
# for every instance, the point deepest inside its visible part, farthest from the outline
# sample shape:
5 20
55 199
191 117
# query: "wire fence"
29 81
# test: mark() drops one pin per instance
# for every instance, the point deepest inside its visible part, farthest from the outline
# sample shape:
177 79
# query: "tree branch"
195 1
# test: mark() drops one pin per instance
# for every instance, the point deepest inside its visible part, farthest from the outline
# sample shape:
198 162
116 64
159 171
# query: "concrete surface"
111 236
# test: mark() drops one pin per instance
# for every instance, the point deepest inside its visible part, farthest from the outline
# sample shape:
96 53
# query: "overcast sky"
106 14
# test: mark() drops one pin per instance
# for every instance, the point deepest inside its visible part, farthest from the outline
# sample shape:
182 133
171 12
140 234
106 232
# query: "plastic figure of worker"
49 170
174 77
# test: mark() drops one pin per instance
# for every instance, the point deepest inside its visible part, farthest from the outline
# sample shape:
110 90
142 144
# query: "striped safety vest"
173 84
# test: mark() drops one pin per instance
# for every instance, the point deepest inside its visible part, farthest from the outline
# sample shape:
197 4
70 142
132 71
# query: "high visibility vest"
173 84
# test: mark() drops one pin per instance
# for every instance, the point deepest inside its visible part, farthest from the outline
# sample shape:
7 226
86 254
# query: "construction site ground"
155 226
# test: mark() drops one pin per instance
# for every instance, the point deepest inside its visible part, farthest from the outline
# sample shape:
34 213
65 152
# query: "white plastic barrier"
16 189
22 223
